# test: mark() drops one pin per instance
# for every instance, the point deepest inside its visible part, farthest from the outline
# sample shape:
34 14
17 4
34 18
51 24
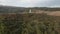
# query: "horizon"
29 7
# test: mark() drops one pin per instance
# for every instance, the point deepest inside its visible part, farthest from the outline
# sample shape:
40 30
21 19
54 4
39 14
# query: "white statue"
30 11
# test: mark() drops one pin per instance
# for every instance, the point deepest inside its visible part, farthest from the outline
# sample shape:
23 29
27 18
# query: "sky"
31 3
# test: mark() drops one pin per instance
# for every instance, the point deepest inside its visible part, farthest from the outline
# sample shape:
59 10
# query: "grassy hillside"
10 9
13 20
29 24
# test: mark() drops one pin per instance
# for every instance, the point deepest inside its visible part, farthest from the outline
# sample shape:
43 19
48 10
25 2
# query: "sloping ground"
55 13
29 24
52 13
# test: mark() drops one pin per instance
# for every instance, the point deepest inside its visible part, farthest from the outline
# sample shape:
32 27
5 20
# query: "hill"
11 9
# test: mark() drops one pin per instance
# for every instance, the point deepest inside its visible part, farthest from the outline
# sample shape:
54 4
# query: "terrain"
41 21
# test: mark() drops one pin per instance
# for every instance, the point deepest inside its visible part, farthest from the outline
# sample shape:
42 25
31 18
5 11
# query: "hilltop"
11 9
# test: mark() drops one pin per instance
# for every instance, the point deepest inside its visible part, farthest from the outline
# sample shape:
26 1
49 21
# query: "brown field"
56 13
52 13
